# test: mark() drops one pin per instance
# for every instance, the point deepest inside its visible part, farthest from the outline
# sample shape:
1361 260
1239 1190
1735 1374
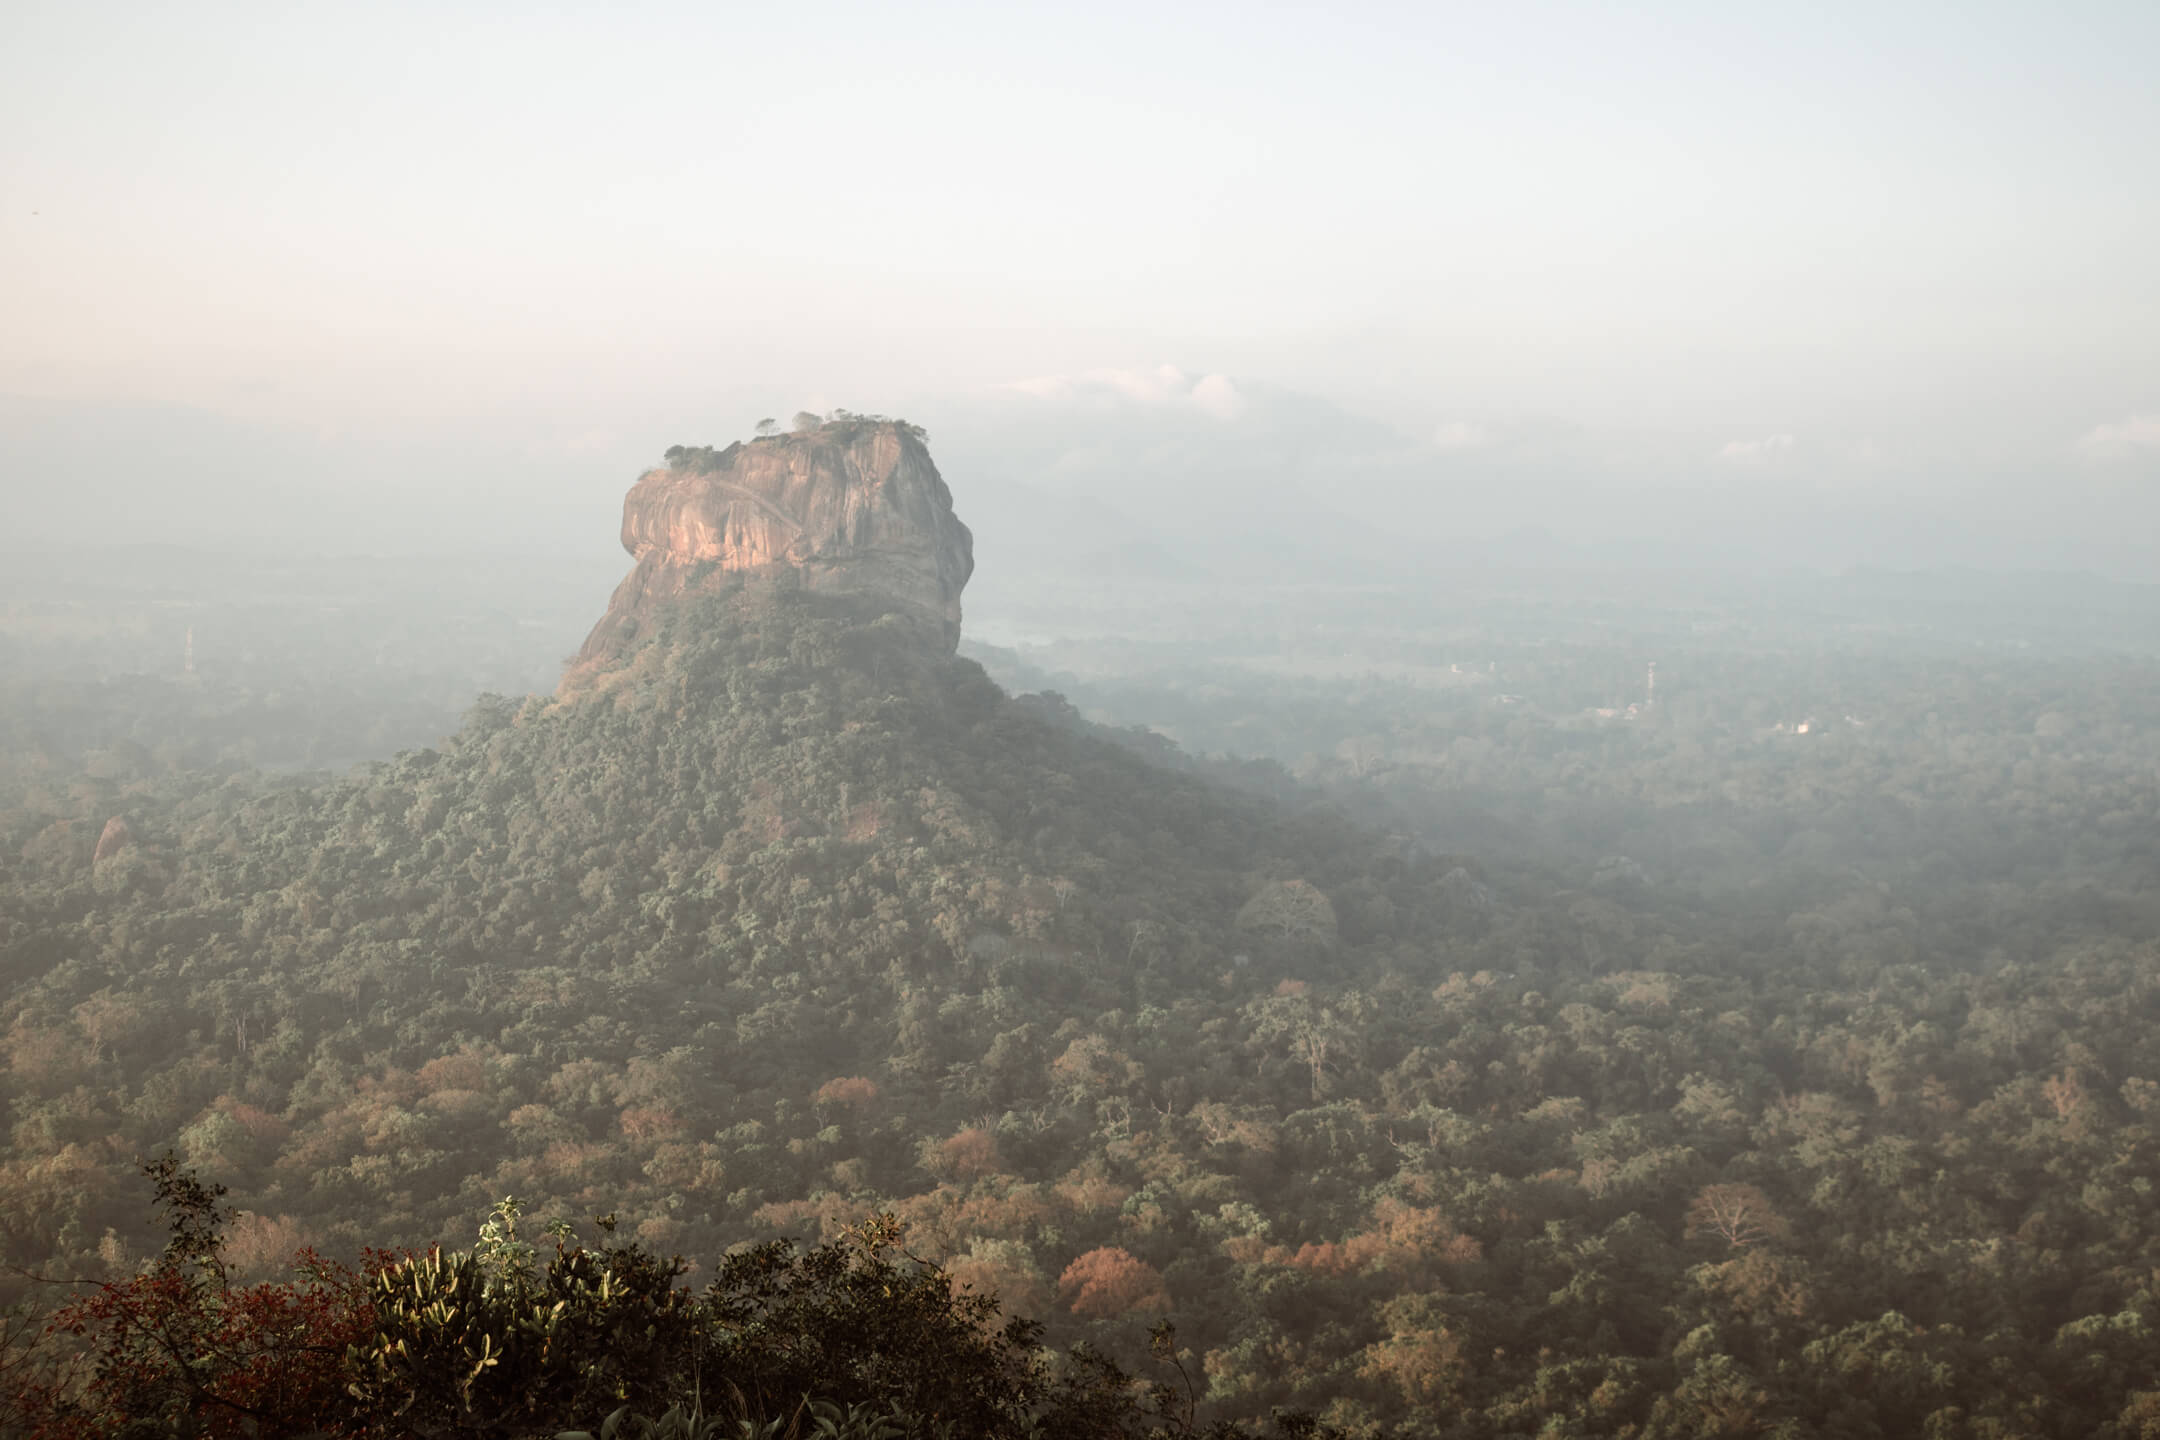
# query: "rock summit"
853 505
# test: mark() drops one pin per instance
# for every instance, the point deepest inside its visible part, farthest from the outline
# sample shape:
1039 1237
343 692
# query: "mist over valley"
1466 744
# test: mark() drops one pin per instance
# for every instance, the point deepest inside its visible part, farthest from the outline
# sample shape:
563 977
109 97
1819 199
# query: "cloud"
1755 452
1163 388
2128 439
1461 435
1215 395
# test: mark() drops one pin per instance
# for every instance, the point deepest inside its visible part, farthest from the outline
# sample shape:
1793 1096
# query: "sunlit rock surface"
853 505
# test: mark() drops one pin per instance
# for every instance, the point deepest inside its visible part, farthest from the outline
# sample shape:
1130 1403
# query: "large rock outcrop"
112 839
852 505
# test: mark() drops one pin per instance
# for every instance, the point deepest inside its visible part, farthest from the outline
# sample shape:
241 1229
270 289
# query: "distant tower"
1650 691
190 662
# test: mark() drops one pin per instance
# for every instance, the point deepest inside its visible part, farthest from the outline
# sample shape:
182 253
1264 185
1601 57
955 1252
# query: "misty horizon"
1871 288
1103 722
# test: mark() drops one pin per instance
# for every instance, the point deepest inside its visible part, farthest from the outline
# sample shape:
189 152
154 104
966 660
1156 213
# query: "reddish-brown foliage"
1407 1239
400 1087
1421 1356
852 1092
1009 1213
170 1348
1109 1281
835 1214
453 1072
966 1157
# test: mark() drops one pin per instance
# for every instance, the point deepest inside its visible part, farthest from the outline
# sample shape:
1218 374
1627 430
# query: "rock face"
112 839
852 505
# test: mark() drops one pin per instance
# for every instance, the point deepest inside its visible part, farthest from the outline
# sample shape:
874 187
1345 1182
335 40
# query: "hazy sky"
1797 253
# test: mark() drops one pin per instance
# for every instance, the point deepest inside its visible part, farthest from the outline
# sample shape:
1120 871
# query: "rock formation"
853 505
112 840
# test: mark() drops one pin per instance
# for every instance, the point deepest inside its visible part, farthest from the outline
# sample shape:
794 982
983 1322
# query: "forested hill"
795 918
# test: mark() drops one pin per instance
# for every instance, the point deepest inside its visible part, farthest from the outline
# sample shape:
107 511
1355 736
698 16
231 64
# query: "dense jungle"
1391 1054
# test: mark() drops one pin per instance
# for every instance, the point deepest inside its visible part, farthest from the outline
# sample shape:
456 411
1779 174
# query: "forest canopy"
795 925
